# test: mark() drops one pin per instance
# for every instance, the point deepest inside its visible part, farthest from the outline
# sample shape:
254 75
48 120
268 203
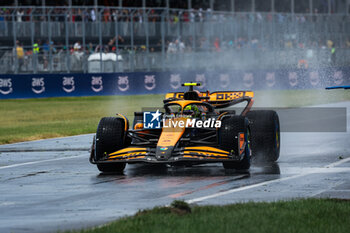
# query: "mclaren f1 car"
192 128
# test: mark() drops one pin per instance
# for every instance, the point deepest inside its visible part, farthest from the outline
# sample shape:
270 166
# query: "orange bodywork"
128 149
241 143
205 152
215 96
126 121
171 135
138 126
129 153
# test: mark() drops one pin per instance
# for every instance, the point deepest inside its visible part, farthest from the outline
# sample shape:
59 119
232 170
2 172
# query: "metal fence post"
116 29
100 36
147 41
84 42
193 51
34 55
211 21
193 27
67 44
310 6
178 27
14 28
167 6
168 22
274 38
50 45
162 32
132 41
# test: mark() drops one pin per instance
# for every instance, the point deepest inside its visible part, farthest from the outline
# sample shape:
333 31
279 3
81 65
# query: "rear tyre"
265 129
228 139
110 137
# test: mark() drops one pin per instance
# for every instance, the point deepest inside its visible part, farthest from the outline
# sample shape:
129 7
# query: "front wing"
203 154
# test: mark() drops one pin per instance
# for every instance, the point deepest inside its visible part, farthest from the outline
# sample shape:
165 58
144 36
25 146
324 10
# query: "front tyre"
231 128
265 127
112 167
110 137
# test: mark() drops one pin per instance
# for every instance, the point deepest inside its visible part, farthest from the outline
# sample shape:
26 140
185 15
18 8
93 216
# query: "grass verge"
31 119
310 215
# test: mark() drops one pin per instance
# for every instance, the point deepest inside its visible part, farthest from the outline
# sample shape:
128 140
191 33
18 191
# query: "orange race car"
192 128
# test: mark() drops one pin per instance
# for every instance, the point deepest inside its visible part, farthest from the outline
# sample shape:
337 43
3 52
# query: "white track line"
264 183
42 161
337 163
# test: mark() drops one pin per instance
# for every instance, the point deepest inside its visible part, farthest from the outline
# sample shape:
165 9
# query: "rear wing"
219 99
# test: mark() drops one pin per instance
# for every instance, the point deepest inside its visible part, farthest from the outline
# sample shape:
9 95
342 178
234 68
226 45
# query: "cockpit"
190 110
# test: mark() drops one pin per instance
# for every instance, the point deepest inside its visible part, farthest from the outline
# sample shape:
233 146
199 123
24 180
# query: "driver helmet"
194 108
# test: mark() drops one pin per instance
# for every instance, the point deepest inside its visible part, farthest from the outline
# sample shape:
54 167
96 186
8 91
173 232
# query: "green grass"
31 119
311 215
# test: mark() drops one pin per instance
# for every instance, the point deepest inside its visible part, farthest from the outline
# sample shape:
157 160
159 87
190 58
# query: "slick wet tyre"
110 137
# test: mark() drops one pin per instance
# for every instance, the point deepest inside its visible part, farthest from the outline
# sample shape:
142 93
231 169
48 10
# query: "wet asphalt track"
49 185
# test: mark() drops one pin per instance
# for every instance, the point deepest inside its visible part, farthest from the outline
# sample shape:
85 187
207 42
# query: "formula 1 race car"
191 129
